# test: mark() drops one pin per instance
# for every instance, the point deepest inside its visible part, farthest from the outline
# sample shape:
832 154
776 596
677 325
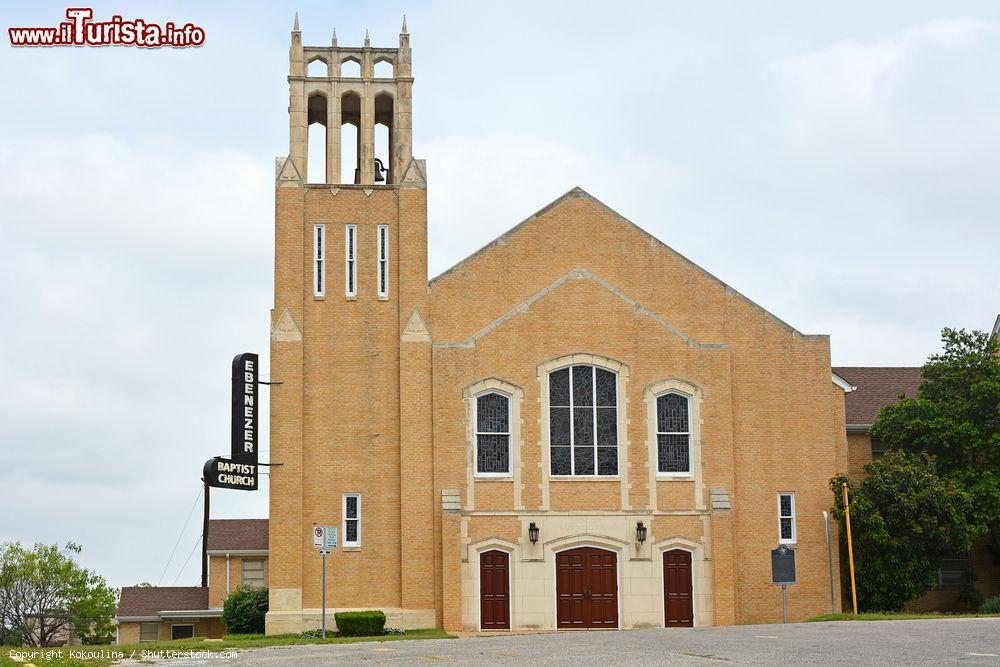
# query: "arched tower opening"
350 138
316 139
384 135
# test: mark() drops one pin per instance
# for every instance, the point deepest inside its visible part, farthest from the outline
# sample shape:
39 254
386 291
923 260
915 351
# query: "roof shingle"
877 386
151 600
237 534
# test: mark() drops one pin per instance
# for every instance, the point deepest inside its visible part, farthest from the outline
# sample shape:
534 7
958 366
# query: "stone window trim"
507 475
695 398
585 359
516 395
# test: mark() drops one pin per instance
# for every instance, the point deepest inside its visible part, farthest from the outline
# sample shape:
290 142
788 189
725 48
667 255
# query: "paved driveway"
958 641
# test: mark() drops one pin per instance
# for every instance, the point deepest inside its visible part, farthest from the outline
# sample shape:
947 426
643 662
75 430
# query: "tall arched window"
492 434
673 434
583 421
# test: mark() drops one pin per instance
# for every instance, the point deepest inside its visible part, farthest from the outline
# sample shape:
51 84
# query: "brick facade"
376 398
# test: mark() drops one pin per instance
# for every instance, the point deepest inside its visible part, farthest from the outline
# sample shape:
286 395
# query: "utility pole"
204 539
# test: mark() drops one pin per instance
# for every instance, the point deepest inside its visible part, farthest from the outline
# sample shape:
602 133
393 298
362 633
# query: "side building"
237 553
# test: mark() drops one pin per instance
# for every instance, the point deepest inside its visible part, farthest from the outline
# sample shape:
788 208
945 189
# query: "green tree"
244 610
44 593
955 417
904 520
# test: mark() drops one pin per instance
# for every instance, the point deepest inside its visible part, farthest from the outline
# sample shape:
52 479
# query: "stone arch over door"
592 552
471 584
701 577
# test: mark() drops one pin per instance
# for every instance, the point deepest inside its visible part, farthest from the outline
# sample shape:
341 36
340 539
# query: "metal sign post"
324 539
829 560
324 552
784 603
783 572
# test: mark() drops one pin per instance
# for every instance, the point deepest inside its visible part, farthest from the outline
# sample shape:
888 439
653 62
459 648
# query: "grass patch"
93 654
894 616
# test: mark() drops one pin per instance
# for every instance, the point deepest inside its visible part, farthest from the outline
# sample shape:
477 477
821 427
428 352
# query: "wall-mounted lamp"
532 532
640 532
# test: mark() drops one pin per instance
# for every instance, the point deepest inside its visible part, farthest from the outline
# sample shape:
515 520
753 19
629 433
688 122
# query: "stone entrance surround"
640 570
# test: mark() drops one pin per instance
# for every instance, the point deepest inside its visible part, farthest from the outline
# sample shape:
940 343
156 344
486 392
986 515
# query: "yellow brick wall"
217 593
770 414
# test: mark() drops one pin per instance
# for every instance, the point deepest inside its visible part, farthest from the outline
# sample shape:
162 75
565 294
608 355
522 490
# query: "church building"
574 427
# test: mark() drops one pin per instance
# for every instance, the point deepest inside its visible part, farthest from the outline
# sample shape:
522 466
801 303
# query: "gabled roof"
876 387
237 535
579 193
151 600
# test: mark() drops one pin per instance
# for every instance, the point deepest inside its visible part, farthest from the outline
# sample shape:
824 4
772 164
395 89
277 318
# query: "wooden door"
586 588
678 601
494 590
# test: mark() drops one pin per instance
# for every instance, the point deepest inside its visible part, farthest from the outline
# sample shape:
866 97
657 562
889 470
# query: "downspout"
227 574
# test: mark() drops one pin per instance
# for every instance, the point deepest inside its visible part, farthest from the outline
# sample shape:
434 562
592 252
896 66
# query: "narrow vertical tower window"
319 260
383 261
350 260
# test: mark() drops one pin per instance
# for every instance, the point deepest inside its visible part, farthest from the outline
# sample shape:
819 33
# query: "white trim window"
352 519
383 260
319 260
583 421
673 434
786 518
492 415
350 260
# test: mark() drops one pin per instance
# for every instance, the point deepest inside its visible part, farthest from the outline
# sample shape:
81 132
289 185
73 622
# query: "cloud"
133 271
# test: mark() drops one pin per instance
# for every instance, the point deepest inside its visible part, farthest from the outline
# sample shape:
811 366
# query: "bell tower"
351 348
335 99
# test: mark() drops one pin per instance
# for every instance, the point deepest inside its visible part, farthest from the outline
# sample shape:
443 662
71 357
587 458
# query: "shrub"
244 610
991 606
369 623
971 598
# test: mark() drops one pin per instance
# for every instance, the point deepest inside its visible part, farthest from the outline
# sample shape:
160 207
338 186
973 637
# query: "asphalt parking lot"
958 641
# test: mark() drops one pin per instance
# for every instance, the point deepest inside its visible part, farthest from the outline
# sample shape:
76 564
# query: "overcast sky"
835 162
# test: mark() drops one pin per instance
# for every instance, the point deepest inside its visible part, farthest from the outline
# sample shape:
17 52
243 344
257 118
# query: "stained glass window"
583 421
492 434
673 434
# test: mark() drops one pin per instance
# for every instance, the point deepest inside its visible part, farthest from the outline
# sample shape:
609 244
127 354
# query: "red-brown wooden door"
586 588
494 590
678 601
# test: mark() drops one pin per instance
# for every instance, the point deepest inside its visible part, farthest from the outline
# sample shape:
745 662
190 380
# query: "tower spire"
333 42
368 41
404 24
295 26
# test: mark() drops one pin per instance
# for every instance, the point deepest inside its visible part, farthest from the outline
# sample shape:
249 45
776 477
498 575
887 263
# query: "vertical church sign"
244 408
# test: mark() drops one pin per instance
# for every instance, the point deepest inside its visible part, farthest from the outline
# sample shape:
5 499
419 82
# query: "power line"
172 551
190 553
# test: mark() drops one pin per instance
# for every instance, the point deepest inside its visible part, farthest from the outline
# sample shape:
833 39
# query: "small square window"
149 632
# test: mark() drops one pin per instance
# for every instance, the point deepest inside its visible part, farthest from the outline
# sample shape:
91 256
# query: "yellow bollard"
850 548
